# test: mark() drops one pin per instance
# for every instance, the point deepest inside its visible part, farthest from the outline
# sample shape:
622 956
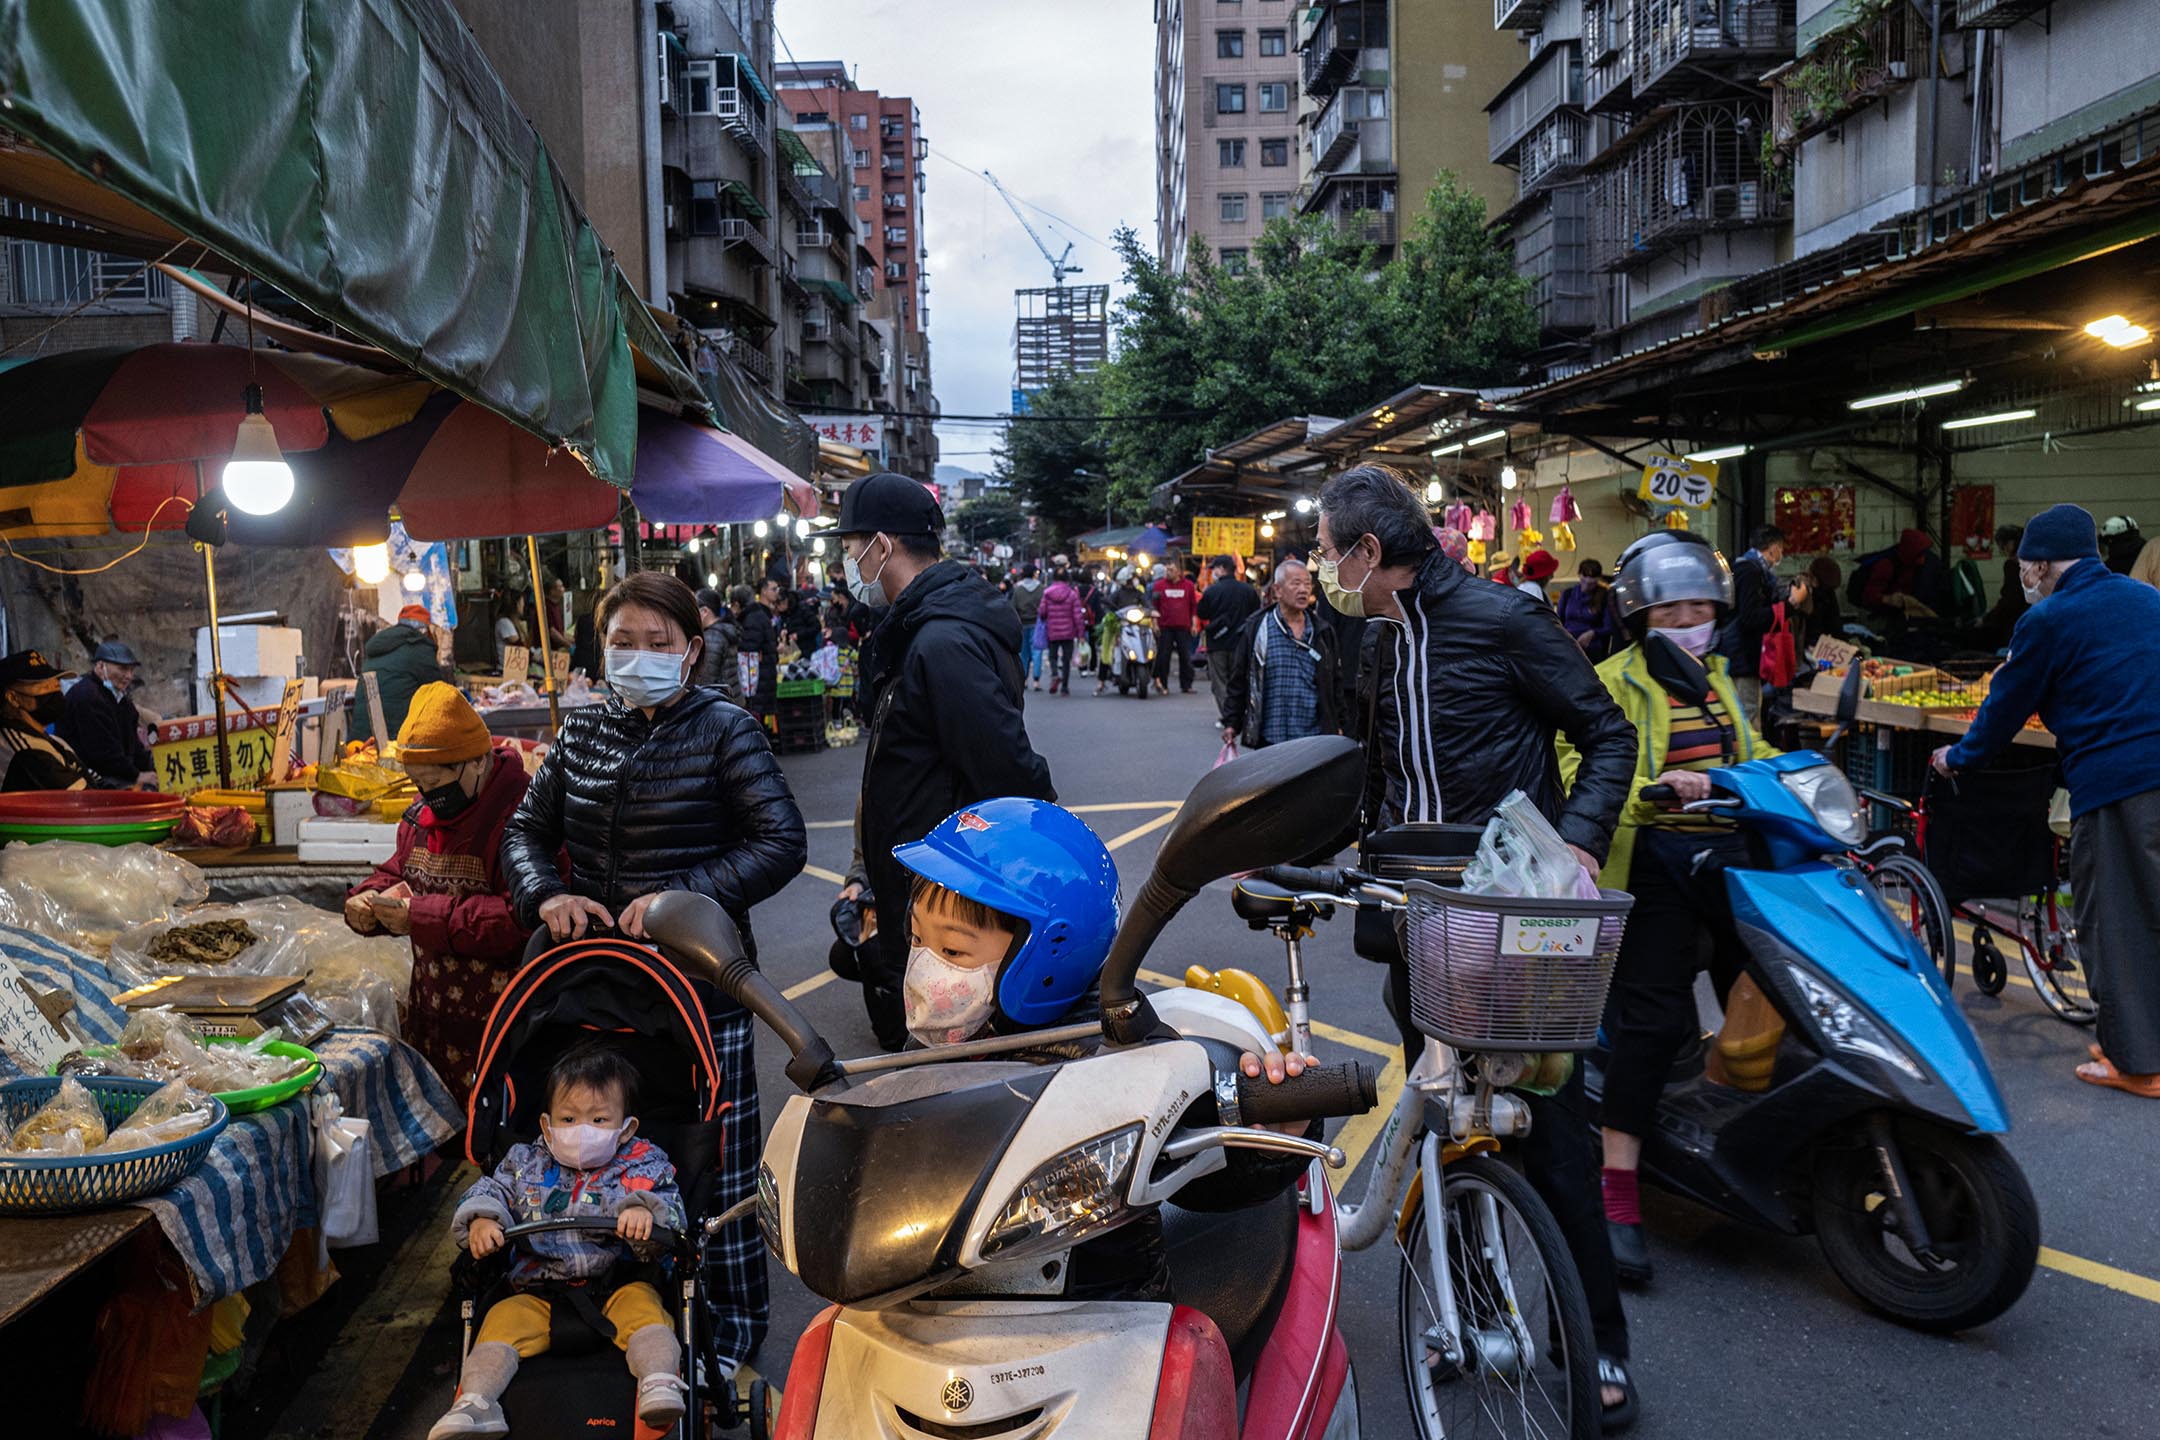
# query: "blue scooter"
1872 1121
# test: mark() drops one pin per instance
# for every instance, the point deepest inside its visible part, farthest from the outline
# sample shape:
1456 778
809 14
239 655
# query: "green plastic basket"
259 1097
798 689
132 832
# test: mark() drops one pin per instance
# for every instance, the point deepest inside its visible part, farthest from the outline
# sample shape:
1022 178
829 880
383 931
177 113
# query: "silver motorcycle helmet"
1668 566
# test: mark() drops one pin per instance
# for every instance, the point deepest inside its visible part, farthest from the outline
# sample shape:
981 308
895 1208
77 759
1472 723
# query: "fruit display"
1929 699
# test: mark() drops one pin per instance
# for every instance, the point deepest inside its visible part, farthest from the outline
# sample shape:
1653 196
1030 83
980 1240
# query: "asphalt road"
1743 1333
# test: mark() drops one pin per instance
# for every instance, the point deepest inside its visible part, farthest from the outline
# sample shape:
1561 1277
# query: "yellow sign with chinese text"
1674 480
1214 535
184 754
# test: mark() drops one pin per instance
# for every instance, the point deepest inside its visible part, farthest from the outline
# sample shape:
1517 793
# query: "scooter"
1864 1112
936 1197
1132 657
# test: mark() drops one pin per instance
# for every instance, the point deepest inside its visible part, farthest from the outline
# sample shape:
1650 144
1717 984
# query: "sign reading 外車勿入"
1222 535
867 431
1673 480
184 752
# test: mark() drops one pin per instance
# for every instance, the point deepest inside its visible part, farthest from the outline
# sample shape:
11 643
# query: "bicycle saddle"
1262 903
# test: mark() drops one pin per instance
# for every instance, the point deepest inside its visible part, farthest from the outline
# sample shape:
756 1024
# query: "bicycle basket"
1510 972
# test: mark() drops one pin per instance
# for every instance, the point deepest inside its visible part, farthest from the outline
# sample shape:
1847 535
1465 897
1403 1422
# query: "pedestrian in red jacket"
445 887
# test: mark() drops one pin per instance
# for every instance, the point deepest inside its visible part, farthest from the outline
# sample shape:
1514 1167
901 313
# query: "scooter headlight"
1076 1194
1830 798
1133 615
1846 1026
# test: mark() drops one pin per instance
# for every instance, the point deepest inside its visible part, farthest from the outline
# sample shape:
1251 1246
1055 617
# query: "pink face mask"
585 1147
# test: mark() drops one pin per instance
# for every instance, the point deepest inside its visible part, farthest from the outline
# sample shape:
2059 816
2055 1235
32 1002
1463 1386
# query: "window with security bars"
42 273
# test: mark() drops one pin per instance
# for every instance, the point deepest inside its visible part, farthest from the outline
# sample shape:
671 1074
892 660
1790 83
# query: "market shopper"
1227 603
1536 569
1757 592
718 665
402 658
1027 597
445 885
1587 612
941 684
30 701
760 645
1468 686
1908 577
1064 617
1177 620
1282 670
667 787
2086 659
100 724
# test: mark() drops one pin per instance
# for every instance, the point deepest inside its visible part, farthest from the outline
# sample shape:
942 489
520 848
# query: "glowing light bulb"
257 480
1433 492
370 563
761 529
1507 477
415 582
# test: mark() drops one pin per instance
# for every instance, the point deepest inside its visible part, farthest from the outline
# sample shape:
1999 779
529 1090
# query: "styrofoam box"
345 852
335 830
266 650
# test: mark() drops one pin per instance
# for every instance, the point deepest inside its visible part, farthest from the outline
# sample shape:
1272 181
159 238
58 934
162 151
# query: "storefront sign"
1222 535
1672 480
184 753
867 431
517 662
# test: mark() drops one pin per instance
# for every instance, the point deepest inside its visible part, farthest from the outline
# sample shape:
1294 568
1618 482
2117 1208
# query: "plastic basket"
1509 972
33 1186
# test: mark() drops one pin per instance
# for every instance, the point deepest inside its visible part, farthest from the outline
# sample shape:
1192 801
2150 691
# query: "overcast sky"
1057 99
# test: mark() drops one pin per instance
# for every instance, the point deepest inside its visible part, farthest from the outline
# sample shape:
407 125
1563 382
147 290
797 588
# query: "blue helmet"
1035 862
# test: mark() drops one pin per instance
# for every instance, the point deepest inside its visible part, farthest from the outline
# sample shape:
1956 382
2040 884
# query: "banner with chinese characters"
1214 535
184 752
867 431
1816 519
1673 480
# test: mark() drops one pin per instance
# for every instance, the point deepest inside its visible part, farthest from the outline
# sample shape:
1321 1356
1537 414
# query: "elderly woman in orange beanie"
445 886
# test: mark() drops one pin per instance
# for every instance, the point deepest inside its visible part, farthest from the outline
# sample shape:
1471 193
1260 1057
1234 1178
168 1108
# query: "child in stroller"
590 1164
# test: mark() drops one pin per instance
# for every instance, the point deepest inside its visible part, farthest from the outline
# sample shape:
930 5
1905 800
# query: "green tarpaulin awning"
841 294
748 71
363 158
796 153
745 199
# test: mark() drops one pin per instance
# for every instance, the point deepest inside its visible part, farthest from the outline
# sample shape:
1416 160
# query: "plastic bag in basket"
1521 854
67 1125
175 1112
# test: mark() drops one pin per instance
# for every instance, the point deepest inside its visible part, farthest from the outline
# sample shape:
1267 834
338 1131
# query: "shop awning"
366 160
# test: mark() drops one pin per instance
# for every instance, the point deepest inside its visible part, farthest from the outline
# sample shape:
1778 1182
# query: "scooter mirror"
694 932
1680 674
1264 808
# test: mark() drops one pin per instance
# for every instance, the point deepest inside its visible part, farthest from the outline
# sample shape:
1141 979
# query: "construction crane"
1059 269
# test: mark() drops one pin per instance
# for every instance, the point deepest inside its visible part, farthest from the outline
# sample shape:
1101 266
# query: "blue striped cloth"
232 1220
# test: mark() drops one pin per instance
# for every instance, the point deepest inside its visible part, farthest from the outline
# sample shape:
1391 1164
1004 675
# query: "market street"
1741 1334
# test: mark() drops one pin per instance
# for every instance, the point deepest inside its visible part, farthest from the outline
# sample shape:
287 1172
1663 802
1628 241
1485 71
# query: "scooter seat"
1234 1267
1261 903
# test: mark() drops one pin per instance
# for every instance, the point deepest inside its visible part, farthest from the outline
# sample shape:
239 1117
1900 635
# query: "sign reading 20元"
1673 480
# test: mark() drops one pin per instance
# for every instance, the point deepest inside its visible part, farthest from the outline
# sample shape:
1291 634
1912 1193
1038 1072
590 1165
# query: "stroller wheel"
763 1406
1989 970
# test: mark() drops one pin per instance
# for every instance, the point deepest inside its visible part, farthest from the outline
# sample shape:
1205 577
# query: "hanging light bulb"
712 581
760 529
1433 492
802 529
1507 477
1267 529
781 519
817 546
370 563
415 582
257 480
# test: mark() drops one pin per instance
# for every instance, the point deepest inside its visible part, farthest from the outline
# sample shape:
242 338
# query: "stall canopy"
363 158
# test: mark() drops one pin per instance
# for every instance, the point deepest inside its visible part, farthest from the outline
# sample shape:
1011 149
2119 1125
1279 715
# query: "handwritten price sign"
1672 480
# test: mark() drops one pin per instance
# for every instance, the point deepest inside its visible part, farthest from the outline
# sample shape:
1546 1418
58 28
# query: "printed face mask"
1695 639
645 678
946 1003
585 1147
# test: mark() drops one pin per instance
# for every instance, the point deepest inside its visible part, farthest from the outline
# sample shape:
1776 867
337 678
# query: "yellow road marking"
803 987
822 873
1076 809
2141 1286
1139 830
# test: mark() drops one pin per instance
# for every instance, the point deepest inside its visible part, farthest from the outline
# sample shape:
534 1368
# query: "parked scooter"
936 1196
1865 1112
1132 657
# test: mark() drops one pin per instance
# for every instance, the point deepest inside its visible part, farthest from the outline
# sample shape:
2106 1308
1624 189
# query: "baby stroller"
655 1014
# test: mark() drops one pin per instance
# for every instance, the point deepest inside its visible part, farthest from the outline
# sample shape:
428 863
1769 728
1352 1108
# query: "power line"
1069 419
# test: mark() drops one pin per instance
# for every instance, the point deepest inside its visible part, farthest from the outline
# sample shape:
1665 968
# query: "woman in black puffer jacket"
666 787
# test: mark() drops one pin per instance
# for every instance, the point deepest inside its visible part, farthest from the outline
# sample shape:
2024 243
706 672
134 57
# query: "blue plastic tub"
30 1185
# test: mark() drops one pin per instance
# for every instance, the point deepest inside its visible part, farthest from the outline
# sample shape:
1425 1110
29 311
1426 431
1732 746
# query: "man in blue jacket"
2086 659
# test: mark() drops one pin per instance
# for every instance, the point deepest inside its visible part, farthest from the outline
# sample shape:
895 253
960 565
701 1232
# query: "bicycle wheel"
1909 889
1530 1363
2052 962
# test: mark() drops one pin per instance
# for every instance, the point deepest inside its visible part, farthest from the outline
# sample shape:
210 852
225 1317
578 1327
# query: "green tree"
1056 466
1462 314
993 515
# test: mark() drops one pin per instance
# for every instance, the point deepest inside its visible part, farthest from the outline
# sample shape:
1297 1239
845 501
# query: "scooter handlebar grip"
1659 794
1321 1093
1326 879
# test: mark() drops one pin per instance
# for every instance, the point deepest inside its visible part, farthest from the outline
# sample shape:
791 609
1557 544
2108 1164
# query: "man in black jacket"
759 635
1757 592
101 725
1465 686
941 683
1225 606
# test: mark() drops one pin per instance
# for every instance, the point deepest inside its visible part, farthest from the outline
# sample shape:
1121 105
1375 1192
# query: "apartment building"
876 147
826 283
1226 123
1395 95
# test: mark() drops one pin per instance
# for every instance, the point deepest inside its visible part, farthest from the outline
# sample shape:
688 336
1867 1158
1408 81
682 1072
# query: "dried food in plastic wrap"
357 979
1521 854
83 895
202 942
69 1124
160 1043
149 1031
175 1112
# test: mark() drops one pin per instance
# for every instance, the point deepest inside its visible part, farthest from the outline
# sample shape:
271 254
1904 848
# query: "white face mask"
865 588
946 1003
645 678
1695 639
586 1147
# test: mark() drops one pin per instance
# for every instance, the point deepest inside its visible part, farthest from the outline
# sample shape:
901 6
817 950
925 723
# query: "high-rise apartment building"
875 146
1226 123
1057 330
1396 92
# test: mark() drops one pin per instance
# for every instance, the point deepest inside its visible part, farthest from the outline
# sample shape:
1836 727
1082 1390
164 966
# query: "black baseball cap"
890 504
114 652
27 665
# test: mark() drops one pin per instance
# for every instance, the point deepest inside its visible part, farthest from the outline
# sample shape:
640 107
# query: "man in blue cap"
101 725
940 681
2086 659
